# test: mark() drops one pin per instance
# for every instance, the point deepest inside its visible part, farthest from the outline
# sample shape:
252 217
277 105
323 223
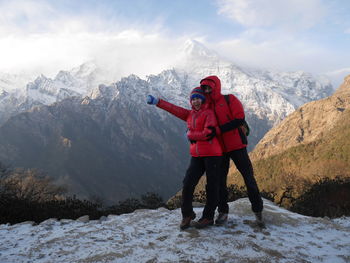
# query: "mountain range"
268 96
103 139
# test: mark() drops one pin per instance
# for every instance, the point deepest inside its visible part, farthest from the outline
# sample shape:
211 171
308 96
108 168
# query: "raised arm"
177 111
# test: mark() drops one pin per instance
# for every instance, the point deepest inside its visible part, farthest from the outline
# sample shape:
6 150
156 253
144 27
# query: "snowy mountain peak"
84 70
65 77
12 82
103 91
193 48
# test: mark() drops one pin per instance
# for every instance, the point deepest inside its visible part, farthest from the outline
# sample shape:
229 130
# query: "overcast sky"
142 36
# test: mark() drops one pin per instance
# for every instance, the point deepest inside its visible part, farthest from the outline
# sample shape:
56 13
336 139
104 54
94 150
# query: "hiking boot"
259 219
258 216
221 219
186 221
203 222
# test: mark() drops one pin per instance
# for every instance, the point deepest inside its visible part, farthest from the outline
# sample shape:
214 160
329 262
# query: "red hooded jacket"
197 124
235 138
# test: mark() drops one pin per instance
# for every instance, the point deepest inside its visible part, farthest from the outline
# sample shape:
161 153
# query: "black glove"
231 125
212 134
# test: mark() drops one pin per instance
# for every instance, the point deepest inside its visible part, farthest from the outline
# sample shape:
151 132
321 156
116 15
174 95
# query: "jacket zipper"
194 126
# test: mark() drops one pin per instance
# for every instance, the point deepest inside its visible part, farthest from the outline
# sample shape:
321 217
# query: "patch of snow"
154 236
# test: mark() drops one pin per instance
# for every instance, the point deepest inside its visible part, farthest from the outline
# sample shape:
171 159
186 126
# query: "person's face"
207 89
196 103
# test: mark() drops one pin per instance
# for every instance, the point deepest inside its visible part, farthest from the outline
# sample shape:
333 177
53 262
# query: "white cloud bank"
282 53
297 14
35 38
121 53
272 34
282 35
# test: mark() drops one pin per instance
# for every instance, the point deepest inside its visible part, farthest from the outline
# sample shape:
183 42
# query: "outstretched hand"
152 100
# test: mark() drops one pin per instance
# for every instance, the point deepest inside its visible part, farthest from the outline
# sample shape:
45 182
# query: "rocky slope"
308 123
103 145
18 94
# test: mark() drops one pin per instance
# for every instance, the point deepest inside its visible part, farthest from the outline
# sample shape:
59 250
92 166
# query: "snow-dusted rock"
21 93
83 219
49 221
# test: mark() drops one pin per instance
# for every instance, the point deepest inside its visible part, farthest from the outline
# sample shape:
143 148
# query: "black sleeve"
231 125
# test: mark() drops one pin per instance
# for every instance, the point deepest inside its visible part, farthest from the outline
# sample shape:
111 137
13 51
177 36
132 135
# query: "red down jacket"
234 139
197 123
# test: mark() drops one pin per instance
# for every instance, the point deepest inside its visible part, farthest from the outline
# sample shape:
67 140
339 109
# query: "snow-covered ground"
154 236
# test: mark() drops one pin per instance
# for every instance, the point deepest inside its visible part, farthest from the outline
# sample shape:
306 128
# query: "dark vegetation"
327 197
29 195
234 193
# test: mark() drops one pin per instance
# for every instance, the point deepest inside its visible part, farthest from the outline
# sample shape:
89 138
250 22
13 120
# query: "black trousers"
244 166
211 166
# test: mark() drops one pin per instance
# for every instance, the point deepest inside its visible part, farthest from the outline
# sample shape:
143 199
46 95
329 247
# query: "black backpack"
245 124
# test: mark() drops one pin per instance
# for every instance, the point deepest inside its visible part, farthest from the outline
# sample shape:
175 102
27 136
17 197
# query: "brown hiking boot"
221 219
203 222
186 221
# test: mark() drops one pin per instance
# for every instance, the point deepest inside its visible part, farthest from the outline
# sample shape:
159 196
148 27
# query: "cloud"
285 35
18 16
280 53
297 14
123 53
36 38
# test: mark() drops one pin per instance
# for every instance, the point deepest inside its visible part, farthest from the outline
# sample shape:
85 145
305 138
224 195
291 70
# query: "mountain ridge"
312 119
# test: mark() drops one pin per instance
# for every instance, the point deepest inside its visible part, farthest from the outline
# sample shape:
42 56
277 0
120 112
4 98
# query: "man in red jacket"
230 116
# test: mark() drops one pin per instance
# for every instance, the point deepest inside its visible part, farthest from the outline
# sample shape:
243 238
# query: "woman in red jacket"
206 153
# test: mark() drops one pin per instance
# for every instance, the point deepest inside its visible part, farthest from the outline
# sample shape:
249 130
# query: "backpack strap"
245 124
227 98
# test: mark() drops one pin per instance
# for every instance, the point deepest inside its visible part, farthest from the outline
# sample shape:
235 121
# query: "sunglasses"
205 87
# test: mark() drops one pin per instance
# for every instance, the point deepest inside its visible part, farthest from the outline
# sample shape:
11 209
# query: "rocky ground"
154 236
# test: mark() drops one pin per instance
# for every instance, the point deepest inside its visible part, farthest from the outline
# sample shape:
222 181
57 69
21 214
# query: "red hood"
215 84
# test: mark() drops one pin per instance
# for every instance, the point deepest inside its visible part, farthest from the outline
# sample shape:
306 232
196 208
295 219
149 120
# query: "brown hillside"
307 124
310 145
